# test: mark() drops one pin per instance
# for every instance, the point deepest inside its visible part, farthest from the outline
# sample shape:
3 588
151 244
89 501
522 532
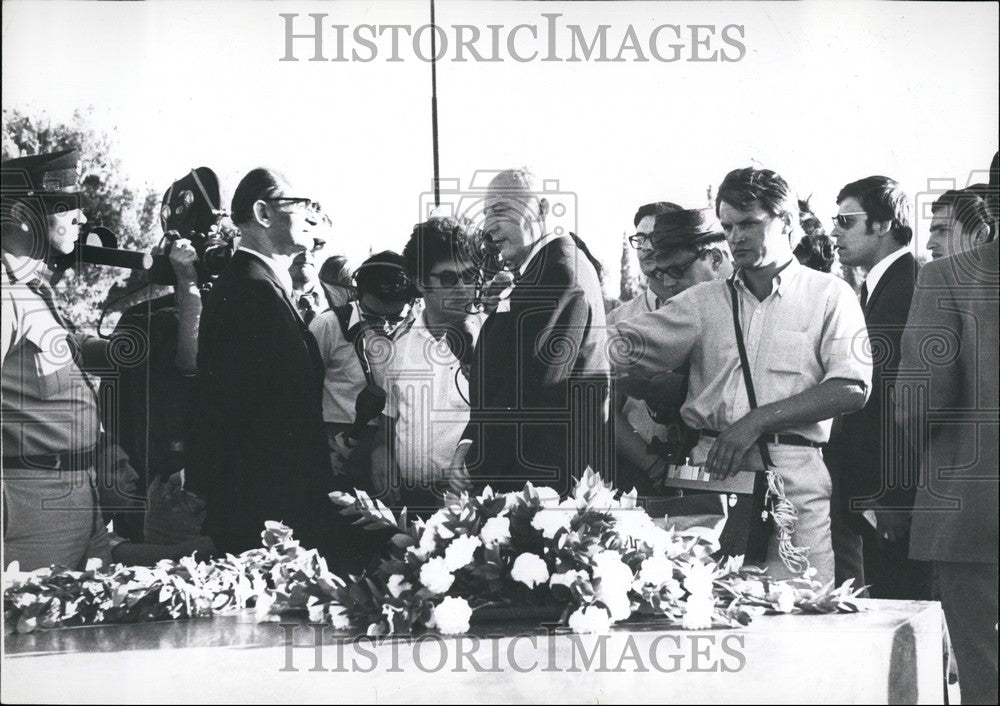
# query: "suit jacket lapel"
895 269
259 270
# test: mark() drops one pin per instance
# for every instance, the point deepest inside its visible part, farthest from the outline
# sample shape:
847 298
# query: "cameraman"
151 397
354 337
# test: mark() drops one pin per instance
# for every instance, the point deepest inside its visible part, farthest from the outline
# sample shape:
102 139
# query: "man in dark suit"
257 448
950 351
540 376
871 467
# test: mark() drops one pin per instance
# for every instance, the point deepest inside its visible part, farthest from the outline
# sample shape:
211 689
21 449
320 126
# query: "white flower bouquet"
593 556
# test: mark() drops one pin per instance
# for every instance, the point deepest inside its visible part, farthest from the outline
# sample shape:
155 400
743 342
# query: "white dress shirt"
284 277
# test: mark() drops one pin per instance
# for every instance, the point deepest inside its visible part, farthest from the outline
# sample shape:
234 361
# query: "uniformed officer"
50 423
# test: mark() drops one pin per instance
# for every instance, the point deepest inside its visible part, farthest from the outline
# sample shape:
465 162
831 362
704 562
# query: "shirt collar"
280 272
652 301
23 268
535 249
878 271
781 280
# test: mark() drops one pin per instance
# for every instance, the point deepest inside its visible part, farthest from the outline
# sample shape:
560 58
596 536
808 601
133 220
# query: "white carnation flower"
785 595
397 584
592 619
338 616
551 520
656 570
615 581
566 578
698 579
496 530
511 500
698 612
435 576
529 569
547 496
452 616
613 572
459 552
633 523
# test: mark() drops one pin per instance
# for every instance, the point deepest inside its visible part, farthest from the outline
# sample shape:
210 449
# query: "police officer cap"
41 173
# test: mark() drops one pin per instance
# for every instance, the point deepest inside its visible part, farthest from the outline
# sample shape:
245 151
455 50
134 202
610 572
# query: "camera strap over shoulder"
771 506
765 456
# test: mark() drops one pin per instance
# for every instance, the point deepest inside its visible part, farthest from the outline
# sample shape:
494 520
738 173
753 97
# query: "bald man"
539 380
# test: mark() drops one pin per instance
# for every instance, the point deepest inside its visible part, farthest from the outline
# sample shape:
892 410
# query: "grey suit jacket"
948 398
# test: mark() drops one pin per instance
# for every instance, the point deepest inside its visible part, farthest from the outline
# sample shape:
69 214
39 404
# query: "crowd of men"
485 356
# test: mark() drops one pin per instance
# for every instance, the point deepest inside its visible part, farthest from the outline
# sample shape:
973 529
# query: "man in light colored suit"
947 396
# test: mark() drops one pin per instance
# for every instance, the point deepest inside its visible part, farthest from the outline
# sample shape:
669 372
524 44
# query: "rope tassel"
785 516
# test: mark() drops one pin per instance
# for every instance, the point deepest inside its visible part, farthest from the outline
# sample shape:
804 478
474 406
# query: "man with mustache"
801 329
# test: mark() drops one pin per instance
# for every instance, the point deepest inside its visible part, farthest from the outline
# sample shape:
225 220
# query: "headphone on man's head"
386 280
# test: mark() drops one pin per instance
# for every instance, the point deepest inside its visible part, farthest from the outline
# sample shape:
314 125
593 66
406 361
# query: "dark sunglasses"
678 271
449 278
844 220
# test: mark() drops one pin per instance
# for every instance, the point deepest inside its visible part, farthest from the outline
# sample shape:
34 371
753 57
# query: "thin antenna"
434 110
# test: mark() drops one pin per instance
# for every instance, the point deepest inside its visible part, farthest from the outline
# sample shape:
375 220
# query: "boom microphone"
113 257
106 254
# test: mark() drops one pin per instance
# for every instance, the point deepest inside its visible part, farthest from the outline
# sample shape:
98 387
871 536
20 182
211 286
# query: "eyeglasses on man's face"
450 278
678 270
639 240
844 220
306 204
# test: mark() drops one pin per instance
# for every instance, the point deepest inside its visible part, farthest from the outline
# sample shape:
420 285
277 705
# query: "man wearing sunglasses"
644 244
257 447
872 230
801 331
427 406
686 247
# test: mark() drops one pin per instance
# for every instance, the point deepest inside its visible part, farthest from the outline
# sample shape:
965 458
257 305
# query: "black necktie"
864 295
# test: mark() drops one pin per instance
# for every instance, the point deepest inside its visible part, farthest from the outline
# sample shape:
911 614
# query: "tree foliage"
110 200
632 281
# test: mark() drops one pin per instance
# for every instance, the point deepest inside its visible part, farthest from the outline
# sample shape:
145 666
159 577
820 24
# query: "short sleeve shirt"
48 405
809 329
428 395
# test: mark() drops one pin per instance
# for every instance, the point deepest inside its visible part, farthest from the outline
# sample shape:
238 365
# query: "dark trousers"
891 574
848 555
861 554
969 598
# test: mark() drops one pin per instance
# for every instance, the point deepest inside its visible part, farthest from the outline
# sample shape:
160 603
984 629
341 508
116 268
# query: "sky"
824 93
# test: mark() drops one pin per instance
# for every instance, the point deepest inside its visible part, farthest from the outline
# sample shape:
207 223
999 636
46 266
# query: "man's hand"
459 480
892 525
732 445
183 258
341 449
457 474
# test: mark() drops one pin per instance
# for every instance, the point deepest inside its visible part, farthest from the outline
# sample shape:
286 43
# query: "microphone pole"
434 110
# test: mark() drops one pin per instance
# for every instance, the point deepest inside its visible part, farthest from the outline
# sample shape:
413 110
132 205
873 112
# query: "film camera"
191 209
